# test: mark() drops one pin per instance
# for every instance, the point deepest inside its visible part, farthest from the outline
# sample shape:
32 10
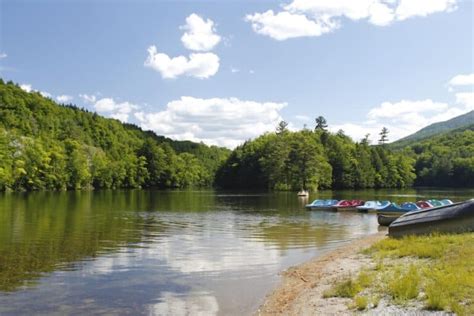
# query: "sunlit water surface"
165 253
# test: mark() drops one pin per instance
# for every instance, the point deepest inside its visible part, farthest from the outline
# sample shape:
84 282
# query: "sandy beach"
301 289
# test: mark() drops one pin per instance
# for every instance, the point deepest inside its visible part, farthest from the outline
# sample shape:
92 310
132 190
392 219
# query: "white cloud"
108 106
406 117
405 108
64 98
45 94
285 25
200 34
217 121
234 70
411 8
462 80
88 98
199 65
116 110
3 55
466 98
26 87
316 17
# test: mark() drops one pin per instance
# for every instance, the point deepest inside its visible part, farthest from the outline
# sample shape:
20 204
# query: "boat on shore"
321 204
454 218
372 206
386 220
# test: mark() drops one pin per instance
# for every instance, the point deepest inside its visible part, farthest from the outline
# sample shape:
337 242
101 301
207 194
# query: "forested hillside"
47 146
446 159
456 123
314 160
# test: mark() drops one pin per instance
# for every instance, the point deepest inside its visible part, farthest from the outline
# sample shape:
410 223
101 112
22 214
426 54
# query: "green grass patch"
440 266
404 285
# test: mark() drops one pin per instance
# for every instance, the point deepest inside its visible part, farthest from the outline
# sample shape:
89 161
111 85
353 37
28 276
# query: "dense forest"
47 146
317 159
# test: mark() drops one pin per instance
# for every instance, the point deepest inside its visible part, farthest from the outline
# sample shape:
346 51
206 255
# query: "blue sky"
362 64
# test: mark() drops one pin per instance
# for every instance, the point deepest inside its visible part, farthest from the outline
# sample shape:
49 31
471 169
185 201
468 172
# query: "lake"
154 252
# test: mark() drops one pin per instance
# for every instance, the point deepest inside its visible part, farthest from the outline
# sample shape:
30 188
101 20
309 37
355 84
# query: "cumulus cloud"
200 34
317 17
216 121
199 65
64 98
26 87
3 55
462 80
406 117
285 25
109 107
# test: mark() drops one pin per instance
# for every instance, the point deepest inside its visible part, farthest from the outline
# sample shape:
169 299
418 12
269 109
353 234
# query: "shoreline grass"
435 272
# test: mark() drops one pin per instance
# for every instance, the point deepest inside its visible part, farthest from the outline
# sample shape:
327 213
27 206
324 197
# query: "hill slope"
437 128
44 145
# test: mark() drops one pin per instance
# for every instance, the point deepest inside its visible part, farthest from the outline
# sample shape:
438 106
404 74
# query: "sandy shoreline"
300 291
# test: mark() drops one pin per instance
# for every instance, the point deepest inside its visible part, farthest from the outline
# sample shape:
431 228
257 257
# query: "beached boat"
372 206
386 220
321 204
454 218
348 205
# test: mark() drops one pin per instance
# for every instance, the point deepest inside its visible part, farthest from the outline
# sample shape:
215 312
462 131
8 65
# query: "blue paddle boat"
322 204
372 206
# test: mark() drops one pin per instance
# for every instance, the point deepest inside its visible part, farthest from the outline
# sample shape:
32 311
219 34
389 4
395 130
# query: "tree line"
286 160
46 146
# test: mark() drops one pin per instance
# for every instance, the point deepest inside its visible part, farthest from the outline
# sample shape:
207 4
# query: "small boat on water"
453 218
303 193
321 204
372 206
348 205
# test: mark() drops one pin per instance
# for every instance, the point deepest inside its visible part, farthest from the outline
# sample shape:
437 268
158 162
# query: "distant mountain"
457 123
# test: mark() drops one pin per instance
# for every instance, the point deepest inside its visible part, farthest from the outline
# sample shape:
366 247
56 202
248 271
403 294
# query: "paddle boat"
372 206
435 203
348 205
321 204
423 204
453 218
446 202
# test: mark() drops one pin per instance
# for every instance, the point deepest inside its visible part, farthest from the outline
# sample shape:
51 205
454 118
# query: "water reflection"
155 252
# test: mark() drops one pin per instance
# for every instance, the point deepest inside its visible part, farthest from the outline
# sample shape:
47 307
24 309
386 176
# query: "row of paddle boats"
411 218
381 207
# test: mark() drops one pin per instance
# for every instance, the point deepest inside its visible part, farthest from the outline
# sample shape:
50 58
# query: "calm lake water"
165 252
